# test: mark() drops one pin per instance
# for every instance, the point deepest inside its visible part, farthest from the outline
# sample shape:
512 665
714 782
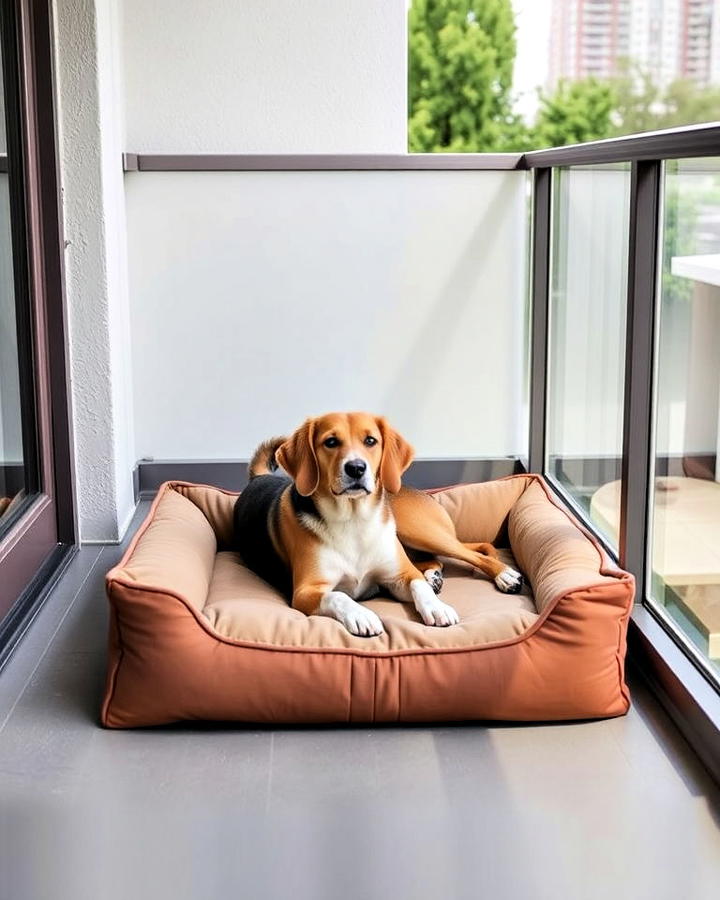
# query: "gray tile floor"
614 809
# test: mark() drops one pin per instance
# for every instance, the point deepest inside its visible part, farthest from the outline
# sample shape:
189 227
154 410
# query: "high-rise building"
655 38
696 24
587 37
668 38
715 50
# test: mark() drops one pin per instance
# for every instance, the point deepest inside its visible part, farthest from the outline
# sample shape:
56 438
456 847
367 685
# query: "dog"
341 527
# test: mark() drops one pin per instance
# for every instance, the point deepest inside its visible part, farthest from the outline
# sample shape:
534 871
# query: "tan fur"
424 525
264 460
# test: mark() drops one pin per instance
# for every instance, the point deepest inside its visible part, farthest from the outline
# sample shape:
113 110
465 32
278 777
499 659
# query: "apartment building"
669 38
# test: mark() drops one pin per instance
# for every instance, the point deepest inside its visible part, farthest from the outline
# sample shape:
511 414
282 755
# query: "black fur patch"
258 505
303 505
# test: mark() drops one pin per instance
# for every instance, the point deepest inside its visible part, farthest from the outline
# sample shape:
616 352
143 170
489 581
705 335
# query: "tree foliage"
577 111
460 75
461 59
637 100
641 105
686 104
680 215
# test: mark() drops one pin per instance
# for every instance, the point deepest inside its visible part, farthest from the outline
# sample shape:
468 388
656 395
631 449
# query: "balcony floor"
618 808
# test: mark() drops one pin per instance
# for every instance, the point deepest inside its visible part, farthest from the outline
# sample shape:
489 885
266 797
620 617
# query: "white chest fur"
358 545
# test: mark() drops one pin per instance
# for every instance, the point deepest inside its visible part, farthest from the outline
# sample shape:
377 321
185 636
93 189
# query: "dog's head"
345 455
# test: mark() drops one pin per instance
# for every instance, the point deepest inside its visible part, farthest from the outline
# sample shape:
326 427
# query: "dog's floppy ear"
297 457
397 455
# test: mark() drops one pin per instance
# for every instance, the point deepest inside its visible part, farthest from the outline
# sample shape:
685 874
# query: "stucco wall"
265 76
90 145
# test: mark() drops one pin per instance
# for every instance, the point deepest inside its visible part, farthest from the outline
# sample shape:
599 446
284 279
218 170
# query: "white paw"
435 612
432 611
509 581
434 578
362 622
357 619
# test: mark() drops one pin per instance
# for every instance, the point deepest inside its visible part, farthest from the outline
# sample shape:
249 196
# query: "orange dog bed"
195 635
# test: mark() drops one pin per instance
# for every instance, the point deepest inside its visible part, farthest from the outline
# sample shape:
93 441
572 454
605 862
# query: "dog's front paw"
362 622
435 612
358 620
509 581
434 578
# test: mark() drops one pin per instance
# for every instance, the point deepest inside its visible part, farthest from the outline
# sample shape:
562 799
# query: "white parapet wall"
259 298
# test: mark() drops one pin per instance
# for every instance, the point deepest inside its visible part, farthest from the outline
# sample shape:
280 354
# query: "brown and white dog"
342 527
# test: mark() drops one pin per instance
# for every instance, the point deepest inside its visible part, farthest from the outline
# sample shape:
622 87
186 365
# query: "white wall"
179 76
261 298
265 76
90 146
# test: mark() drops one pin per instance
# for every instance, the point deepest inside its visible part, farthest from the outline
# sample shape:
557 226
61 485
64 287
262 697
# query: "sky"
532 19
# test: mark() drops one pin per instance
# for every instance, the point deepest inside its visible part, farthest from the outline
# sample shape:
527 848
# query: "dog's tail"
263 461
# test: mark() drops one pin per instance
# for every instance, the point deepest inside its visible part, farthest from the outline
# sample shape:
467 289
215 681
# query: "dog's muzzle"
355 479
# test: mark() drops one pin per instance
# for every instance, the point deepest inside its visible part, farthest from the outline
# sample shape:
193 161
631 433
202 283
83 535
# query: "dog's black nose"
355 468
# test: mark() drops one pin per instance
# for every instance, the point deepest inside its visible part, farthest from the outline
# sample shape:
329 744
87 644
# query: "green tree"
637 100
577 111
679 231
685 103
640 104
461 58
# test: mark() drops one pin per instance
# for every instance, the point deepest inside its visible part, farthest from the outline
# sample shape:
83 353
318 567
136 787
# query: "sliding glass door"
18 465
36 520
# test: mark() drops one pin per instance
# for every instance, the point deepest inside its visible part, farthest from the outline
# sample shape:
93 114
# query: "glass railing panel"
586 366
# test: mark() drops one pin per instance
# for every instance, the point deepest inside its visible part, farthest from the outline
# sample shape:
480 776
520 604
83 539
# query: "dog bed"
195 635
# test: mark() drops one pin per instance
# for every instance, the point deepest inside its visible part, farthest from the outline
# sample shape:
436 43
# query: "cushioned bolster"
479 511
176 553
217 506
550 548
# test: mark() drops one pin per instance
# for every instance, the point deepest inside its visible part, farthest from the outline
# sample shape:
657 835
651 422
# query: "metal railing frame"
673 667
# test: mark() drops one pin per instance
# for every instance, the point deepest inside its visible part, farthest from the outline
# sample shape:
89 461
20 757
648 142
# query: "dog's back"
255 518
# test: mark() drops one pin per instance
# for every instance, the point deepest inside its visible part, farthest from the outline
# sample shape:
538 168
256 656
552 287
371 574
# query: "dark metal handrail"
672 143
319 162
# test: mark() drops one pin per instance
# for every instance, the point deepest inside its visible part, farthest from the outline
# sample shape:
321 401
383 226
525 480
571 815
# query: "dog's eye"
331 442
370 441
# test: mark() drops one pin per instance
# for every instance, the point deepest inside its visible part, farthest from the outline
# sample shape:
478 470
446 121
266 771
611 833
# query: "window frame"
42 537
